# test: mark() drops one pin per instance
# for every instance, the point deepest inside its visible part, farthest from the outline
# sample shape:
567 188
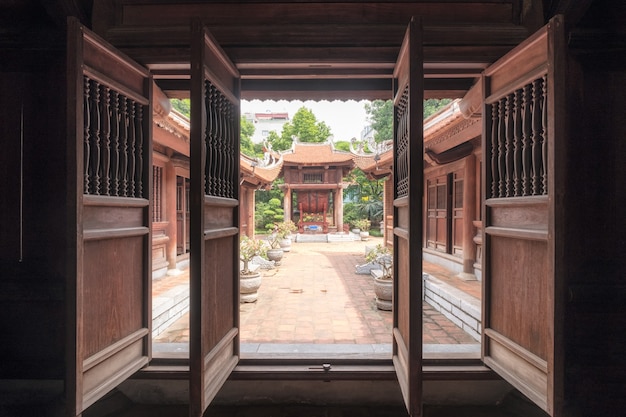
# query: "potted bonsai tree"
383 278
364 228
284 230
249 281
275 252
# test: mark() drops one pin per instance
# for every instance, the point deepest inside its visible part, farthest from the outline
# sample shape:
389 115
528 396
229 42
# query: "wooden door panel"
214 220
519 291
109 98
408 177
520 313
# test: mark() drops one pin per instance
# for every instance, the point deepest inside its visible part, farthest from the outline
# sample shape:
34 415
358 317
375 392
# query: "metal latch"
325 366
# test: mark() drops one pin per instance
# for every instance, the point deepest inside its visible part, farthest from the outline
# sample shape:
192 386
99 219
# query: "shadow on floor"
117 405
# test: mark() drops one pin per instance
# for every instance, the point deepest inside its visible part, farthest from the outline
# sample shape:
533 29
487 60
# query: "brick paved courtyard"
315 297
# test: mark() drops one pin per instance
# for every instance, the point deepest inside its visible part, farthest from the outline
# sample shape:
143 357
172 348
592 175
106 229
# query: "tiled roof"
259 175
271 116
316 154
369 165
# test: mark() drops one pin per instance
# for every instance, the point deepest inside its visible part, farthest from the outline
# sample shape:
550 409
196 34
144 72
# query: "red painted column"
169 185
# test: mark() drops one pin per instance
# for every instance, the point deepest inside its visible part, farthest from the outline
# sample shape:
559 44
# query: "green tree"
305 126
432 105
367 196
246 145
342 145
183 106
277 142
380 114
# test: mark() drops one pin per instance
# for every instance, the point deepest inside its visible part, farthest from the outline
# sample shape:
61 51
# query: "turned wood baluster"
211 160
206 135
232 150
206 139
87 138
404 141
220 145
526 137
229 149
535 142
215 140
139 150
544 138
124 149
106 141
517 145
115 143
400 145
494 149
95 134
501 145
132 151
508 121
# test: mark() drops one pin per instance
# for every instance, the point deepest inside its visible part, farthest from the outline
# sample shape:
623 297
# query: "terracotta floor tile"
315 294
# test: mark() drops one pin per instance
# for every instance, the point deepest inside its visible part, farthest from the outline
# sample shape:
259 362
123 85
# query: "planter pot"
364 235
383 288
275 255
285 244
356 231
248 287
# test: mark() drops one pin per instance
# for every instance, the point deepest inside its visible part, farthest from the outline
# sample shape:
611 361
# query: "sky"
346 119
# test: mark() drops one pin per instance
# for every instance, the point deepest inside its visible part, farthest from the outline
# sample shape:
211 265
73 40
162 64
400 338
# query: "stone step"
311 238
343 237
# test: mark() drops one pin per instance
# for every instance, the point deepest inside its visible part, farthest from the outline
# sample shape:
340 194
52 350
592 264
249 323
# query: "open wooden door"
408 177
109 182
214 212
523 137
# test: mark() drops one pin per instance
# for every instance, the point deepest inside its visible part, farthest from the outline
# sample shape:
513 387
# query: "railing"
402 144
113 142
219 141
518 142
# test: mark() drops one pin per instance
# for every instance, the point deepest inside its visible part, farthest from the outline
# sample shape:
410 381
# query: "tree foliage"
380 114
246 145
367 196
342 145
305 126
432 105
182 106
277 141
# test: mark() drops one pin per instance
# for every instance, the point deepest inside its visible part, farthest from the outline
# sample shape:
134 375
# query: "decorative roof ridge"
442 118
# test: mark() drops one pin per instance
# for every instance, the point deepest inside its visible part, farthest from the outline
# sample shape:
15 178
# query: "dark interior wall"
33 236
595 246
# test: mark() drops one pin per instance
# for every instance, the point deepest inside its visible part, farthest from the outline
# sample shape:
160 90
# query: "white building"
265 122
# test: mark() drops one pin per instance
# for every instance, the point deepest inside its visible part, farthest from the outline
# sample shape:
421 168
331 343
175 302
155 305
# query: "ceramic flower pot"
383 288
275 254
285 244
248 287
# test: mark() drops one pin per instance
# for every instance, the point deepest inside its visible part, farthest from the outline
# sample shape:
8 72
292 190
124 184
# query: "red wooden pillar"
287 203
469 215
169 185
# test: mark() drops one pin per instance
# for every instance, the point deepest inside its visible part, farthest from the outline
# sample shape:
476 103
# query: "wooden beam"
311 12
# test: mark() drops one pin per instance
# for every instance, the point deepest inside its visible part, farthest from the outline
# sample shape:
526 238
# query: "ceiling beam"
311 12
326 89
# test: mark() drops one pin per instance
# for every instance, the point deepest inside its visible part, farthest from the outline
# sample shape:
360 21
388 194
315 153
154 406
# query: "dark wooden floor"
118 406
